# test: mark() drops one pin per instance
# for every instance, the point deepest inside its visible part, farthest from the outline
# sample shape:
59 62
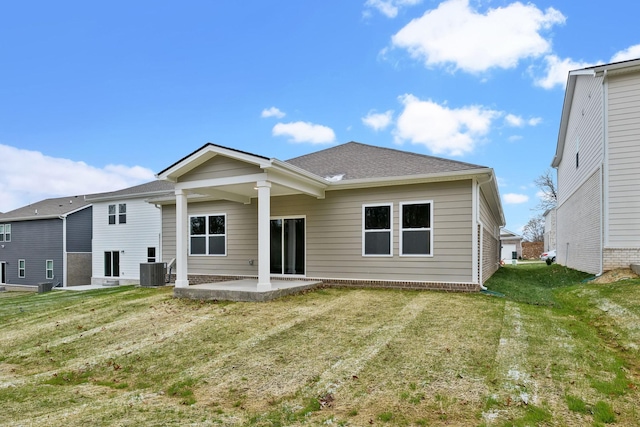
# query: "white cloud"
441 129
272 112
518 121
30 176
514 138
502 182
305 132
390 8
632 52
378 121
454 33
515 199
558 70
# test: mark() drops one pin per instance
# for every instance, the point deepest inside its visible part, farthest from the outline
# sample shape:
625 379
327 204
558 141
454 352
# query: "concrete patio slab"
244 290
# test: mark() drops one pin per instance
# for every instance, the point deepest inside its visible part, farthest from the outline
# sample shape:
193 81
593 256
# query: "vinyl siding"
585 135
141 231
35 242
579 230
334 234
220 167
79 233
490 261
623 159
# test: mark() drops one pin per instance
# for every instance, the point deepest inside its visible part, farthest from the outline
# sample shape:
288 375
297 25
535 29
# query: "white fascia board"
297 183
564 121
280 165
407 179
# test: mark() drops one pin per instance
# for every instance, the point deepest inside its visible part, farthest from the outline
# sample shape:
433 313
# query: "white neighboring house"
597 155
550 230
511 246
126 232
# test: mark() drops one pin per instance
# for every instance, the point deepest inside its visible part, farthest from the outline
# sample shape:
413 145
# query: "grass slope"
553 351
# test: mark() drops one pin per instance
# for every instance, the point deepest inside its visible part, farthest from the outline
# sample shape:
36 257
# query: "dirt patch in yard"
616 275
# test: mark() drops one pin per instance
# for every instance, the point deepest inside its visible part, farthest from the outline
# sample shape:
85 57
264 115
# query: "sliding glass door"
288 246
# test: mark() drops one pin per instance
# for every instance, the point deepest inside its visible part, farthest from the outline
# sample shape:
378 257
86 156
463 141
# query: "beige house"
597 155
353 214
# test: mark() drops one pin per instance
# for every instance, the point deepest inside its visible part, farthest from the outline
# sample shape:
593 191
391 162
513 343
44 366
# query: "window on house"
122 213
376 230
151 254
415 228
49 269
207 235
112 264
112 214
22 266
5 232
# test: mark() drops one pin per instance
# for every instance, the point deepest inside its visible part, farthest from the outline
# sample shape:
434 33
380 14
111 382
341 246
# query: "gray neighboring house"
353 214
47 241
597 156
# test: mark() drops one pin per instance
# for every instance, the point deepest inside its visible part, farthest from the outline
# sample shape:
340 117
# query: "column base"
264 287
182 284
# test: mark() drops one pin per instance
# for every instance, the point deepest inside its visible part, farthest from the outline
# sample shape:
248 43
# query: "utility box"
152 273
44 287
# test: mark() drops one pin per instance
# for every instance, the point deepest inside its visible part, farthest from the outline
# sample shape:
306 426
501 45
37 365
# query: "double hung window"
121 213
415 228
22 268
208 235
377 234
5 232
49 269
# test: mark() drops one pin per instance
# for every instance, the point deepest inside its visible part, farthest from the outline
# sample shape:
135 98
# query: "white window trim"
207 235
46 269
402 229
121 214
390 230
114 215
6 233
24 269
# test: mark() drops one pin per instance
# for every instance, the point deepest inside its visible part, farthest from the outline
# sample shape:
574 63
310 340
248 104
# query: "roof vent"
334 178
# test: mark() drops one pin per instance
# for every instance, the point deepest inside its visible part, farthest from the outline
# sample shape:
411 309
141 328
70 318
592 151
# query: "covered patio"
244 290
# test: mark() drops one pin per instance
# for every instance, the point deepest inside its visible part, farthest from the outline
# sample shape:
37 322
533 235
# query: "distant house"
47 241
511 245
353 214
126 232
597 156
549 230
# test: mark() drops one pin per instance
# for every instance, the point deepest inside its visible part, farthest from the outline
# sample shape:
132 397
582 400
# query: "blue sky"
97 96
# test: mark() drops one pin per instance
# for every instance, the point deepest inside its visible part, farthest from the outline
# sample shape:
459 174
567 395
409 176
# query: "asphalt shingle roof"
46 208
355 160
148 188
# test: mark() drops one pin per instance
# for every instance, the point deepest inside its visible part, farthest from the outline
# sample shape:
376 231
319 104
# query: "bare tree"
533 231
547 186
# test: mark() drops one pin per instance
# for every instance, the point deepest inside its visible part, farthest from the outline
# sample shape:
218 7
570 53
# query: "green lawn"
553 351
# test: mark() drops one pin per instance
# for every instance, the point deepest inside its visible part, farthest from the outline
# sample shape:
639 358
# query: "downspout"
475 226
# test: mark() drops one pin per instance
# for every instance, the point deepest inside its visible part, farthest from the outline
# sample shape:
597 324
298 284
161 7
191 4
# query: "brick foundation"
197 279
613 258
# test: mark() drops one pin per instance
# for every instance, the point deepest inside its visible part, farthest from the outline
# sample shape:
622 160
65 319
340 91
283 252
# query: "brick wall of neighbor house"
579 231
620 258
78 268
490 263
532 250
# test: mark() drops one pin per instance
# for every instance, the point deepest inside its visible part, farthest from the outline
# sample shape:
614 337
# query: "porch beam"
224 195
308 188
264 235
218 182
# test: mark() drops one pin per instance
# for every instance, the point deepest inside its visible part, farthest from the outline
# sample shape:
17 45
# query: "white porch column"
182 239
264 235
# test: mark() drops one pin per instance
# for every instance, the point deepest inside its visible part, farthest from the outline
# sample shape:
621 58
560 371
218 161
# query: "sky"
98 96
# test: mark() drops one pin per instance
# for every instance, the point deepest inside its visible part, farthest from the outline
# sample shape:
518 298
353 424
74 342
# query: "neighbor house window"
377 236
415 228
112 264
49 268
121 214
22 266
151 254
208 235
112 214
5 232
